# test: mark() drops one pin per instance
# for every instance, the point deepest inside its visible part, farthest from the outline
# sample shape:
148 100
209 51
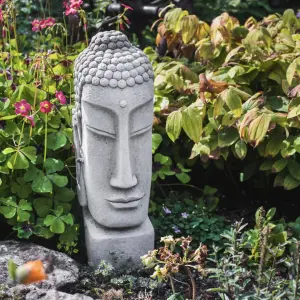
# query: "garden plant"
227 100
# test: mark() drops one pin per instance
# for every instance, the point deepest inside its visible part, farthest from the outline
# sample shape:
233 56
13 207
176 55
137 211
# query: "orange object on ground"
36 272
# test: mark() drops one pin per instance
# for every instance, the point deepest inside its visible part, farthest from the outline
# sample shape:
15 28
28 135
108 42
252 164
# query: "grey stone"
54 294
121 248
112 125
65 270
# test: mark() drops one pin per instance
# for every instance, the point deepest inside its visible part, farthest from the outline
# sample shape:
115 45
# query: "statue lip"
124 200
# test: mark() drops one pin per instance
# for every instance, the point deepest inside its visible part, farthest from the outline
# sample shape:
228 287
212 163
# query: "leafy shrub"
176 256
181 214
37 159
271 277
241 9
233 90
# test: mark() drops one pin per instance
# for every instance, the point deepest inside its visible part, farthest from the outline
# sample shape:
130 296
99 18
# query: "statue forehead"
111 62
118 101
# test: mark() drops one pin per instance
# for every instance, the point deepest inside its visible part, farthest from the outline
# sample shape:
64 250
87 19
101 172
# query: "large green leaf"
279 165
64 194
18 161
233 101
156 141
57 226
294 169
173 18
258 128
42 206
58 180
174 125
32 173
8 211
56 140
192 122
240 148
227 137
189 25
290 182
42 184
53 165
30 152
68 219
174 80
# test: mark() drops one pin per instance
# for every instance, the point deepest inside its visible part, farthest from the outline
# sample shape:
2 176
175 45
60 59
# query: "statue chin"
113 139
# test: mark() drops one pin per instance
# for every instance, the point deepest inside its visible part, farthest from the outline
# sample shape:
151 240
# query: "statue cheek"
99 155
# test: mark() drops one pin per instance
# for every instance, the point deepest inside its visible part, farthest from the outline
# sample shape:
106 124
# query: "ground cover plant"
37 156
227 95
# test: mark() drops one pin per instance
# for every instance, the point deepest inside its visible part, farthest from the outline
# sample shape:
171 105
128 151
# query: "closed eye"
140 131
101 132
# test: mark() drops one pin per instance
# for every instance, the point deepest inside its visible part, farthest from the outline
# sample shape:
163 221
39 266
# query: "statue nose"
122 181
123 176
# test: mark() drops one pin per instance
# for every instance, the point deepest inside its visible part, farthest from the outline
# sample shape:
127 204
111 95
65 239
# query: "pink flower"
76 3
50 22
70 11
45 106
43 24
36 25
127 6
122 26
61 97
72 7
31 120
22 107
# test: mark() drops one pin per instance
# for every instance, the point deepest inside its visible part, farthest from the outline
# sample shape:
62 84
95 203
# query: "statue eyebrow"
101 132
140 131
142 104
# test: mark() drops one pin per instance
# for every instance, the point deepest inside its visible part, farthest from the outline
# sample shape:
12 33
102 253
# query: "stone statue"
112 124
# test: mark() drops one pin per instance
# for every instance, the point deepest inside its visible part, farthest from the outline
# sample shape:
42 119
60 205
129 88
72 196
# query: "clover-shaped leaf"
58 180
42 184
53 165
21 188
57 221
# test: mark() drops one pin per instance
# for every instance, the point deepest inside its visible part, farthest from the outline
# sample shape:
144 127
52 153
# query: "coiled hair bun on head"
111 61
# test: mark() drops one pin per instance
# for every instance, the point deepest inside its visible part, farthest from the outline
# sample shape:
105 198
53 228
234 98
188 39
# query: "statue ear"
79 158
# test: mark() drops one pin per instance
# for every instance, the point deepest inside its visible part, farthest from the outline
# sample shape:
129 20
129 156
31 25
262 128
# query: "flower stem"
172 284
15 29
46 132
19 143
192 282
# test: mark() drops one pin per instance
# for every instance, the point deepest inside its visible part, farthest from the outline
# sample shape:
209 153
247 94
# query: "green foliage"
181 214
241 9
37 161
176 256
231 90
271 277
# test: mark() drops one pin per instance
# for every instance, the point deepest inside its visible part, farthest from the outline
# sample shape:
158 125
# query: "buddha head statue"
112 123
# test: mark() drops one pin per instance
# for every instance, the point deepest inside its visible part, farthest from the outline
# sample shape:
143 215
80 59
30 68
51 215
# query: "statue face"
117 155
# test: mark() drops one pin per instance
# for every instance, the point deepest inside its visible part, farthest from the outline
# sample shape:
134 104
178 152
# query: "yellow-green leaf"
258 128
192 122
188 28
174 125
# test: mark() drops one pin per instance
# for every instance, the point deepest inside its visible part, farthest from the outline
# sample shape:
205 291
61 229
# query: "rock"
65 270
53 294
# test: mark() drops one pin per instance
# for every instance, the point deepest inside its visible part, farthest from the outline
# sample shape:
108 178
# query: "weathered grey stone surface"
112 124
65 270
122 248
54 295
